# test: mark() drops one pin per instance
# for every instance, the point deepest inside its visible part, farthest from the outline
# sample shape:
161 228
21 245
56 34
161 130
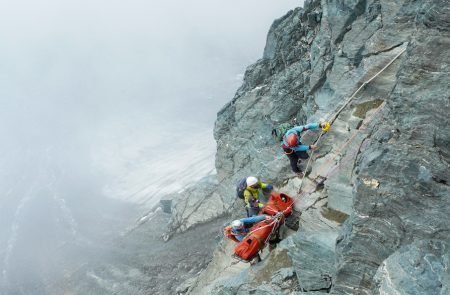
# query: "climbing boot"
320 182
255 259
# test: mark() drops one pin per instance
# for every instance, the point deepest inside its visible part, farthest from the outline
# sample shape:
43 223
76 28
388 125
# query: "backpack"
279 131
241 187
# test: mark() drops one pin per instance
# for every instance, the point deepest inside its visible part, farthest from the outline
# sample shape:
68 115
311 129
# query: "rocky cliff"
380 224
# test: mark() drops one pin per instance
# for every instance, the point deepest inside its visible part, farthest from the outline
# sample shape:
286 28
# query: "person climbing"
239 228
293 147
252 193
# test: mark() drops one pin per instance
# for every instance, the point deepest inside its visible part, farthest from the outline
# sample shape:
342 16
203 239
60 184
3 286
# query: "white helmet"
237 224
251 180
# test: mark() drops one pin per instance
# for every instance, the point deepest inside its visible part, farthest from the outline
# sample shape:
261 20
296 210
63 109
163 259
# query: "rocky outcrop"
314 259
194 205
418 268
271 93
383 168
403 159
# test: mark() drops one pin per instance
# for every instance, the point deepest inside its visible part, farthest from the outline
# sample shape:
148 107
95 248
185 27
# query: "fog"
104 107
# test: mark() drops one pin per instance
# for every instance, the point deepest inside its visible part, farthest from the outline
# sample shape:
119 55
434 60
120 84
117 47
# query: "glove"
325 125
254 203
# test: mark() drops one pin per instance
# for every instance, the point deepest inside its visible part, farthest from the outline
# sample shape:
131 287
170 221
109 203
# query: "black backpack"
241 187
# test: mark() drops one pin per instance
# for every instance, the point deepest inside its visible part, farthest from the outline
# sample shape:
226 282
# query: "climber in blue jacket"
241 227
293 147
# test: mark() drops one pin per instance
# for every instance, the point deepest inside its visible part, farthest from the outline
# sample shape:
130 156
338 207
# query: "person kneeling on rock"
293 147
254 189
239 228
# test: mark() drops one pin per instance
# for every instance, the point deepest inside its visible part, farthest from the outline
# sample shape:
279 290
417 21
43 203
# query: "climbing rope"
277 218
341 148
336 114
346 143
331 120
259 228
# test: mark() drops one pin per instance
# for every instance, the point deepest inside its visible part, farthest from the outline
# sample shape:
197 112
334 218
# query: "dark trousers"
252 211
294 157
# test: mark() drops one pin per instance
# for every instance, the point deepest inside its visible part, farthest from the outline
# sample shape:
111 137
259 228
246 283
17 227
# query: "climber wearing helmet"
294 149
252 193
241 227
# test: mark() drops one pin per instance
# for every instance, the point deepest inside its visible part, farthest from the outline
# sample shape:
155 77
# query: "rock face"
418 268
314 259
195 205
384 165
402 157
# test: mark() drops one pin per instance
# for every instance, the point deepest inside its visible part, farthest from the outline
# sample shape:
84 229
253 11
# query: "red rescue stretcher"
280 207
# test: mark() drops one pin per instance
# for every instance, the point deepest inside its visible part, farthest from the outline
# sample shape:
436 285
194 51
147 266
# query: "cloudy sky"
109 99
107 81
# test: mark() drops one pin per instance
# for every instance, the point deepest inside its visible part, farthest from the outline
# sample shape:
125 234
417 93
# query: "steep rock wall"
385 161
407 156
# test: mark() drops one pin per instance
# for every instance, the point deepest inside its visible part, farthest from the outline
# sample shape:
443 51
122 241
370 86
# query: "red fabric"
258 234
252 243
229 234
278 202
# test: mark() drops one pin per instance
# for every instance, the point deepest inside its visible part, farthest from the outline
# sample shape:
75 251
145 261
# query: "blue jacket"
299 129
248 223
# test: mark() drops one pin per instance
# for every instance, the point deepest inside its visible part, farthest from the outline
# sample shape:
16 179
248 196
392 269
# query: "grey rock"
419 268
281 276
184 287
233 285
266 290
195 205
313 259
340 196
354 122
392 176
166 205
395 199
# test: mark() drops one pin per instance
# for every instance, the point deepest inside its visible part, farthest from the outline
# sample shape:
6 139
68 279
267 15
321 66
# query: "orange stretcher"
280 207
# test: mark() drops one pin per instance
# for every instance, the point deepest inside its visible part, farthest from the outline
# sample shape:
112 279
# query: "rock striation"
380 219
418 268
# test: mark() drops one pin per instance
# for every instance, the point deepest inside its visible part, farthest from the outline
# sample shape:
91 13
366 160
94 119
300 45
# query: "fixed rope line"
347 142
341 148
364 84
336 114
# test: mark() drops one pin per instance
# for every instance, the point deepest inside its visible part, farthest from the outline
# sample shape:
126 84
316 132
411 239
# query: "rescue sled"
279 206
278 202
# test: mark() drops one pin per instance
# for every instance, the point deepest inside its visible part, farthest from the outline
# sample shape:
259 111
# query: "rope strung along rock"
340 149
336 114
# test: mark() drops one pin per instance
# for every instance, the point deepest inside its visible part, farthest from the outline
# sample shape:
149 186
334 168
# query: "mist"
104 108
